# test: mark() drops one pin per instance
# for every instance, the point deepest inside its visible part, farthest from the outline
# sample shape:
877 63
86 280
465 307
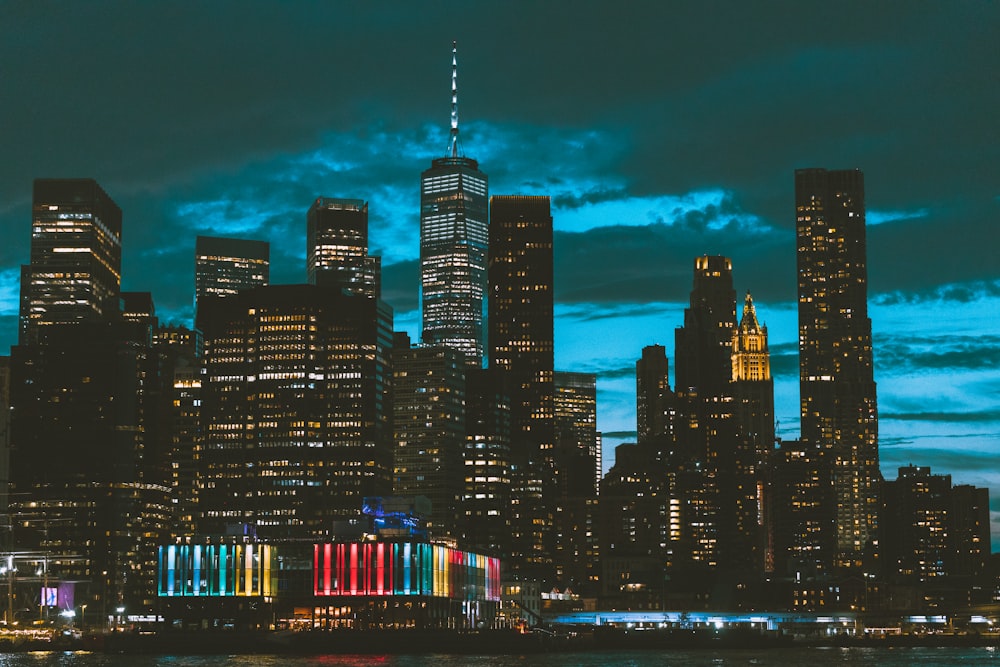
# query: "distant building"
337 247
836 383
224 266
575 539
74 274
932 529
655 403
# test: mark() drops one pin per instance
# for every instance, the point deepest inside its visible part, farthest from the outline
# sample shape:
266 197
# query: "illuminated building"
753 421
637 522
521 345
337 247
224 266
74 274
705 439
803 509
328 585
4 433
295 409
178 350
655 409
85 486
836 385
931 529
486 460
429 430
453 238
574 540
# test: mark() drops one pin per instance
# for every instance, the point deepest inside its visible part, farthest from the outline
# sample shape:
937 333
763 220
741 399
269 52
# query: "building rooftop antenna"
454 100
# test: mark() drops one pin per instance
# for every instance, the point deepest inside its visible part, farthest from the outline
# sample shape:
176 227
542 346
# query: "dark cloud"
901 353
400 285
946 417
620 435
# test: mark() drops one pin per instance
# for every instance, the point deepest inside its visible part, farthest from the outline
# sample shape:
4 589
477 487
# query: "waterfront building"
296 409
83 485
429 430
836 383
932 529
521 345
454 213
224 266
337 247
329 585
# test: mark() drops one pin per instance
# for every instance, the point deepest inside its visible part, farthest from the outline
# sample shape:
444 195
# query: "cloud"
879 217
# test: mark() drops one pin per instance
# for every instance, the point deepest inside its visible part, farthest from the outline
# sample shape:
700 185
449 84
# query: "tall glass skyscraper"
836 382
454 214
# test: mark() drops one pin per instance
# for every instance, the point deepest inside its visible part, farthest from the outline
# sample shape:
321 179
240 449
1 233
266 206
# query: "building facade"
521 322
224 266
836 382
337 247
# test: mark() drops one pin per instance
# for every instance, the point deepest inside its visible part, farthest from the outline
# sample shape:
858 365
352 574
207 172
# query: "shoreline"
487 642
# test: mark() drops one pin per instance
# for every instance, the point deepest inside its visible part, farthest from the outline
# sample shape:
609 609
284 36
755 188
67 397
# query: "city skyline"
655 148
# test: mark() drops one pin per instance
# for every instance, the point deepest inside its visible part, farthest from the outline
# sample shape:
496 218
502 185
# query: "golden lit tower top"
751 360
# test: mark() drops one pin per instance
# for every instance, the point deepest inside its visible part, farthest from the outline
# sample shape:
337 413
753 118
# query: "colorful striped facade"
404 568
215 570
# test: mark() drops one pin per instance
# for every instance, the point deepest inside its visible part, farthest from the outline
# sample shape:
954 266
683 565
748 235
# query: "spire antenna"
454 100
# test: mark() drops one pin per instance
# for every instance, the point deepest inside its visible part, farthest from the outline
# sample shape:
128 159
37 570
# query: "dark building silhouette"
655 404
521 344
224 266
429 430
296 409
634 526
575 541
837 389
705 436
486 458
85 474
931 529
454 213
337 247
804 513
74 274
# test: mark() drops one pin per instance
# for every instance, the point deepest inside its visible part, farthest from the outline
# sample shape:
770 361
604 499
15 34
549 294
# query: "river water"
813 657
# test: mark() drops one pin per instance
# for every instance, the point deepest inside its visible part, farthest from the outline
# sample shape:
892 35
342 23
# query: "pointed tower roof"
453 140
749 320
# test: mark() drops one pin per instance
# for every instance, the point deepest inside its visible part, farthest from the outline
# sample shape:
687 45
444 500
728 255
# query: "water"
814 657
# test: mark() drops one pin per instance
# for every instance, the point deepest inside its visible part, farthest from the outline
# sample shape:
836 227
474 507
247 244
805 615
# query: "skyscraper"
753 423
429 430
453 237
521 345
836 382
224 266
74 274
654 400
337 246
296 409
705 443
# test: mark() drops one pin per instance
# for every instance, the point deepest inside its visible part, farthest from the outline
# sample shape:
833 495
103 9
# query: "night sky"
662 131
